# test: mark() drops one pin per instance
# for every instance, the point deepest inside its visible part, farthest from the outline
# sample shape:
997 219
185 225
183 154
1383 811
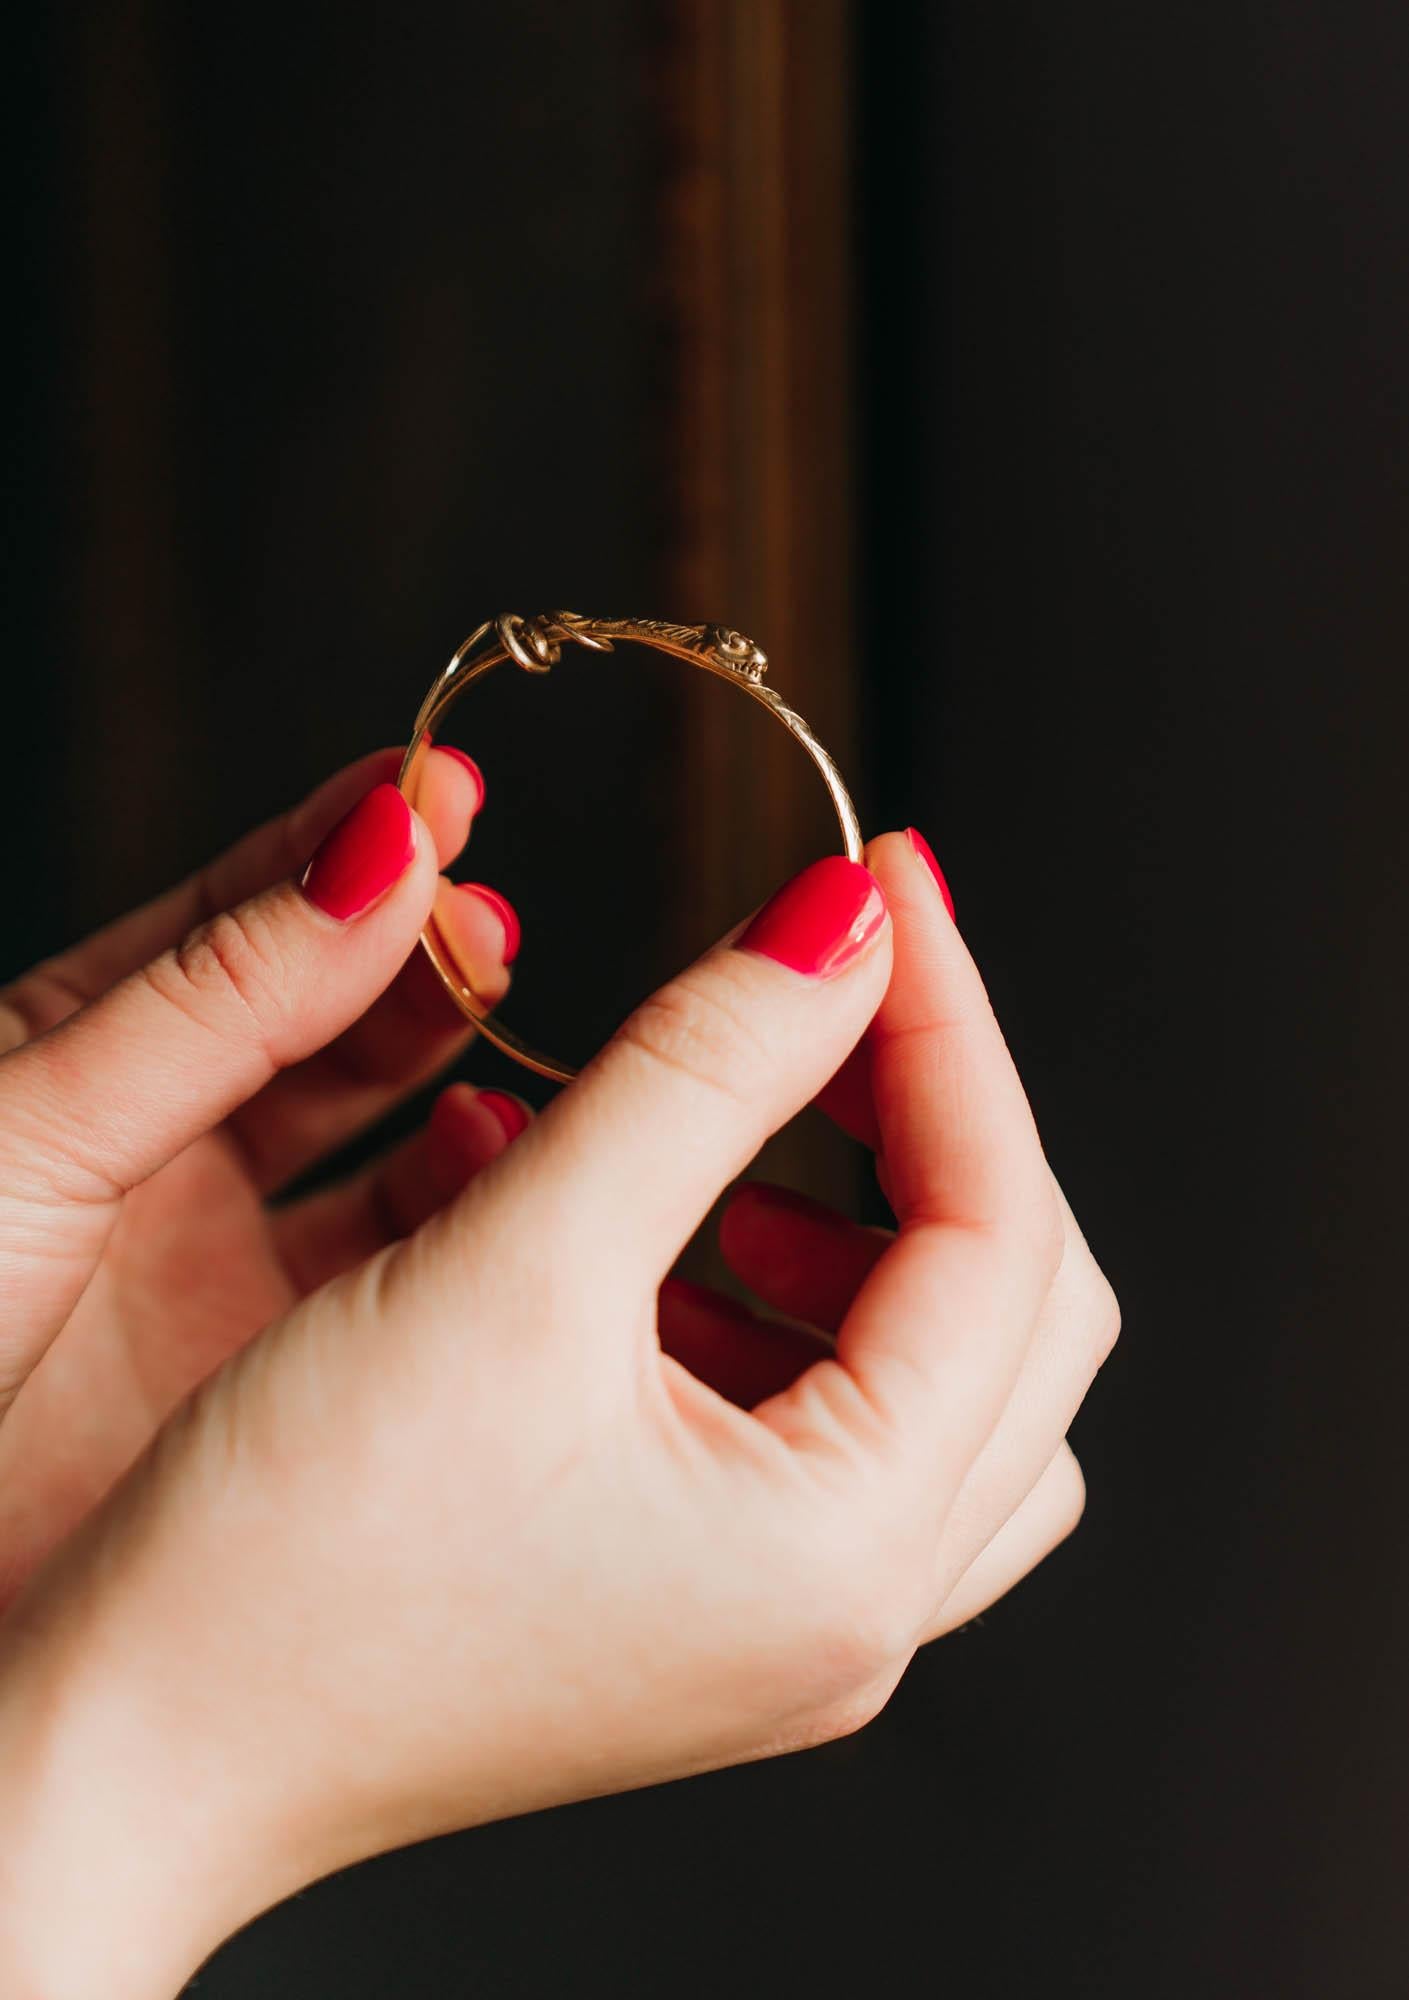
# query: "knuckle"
854 1713
1048 1234
1102 1318
865 1600
1034 1230
701 1030
850 1653
231 960
1070 1498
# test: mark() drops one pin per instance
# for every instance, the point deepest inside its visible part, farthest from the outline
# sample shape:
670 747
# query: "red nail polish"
363 855
513 1115
504 910
926 853
449 750
821 920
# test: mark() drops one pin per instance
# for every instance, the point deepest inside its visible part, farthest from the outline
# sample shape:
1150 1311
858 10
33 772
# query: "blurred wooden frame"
757 236
759 453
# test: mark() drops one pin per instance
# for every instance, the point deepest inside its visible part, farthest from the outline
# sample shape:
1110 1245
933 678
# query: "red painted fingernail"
513 1114
363 855
449 750
926 853
820 921
504 910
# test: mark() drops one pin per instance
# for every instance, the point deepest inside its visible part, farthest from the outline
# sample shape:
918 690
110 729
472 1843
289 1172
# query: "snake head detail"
733 650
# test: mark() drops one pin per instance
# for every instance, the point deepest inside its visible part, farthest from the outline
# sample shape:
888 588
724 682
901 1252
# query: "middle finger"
407 1037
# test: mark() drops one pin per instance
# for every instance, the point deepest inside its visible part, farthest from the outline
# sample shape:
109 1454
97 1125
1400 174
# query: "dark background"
310 304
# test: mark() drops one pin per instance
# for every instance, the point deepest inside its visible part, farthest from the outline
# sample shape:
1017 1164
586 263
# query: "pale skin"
431 1499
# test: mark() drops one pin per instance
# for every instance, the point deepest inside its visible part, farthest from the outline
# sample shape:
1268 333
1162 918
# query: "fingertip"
449 796
513 1114
424 862
469 1128
472 928
471 769
822 922
456 1145
368 852
921 848
907 865
503 911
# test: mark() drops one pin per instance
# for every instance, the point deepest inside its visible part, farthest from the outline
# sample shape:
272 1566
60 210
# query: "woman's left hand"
168 1075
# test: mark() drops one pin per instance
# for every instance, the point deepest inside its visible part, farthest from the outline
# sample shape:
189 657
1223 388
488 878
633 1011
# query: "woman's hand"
492 1521
168 1075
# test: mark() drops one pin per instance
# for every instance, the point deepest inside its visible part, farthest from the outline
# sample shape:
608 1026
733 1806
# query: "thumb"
687 1090
114 1091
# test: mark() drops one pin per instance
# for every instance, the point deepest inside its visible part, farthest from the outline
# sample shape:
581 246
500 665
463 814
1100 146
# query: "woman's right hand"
495 1521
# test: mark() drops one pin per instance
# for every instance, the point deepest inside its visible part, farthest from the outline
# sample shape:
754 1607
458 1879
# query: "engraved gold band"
536 645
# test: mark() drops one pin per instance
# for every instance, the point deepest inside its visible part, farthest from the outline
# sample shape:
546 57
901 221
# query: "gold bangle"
536 645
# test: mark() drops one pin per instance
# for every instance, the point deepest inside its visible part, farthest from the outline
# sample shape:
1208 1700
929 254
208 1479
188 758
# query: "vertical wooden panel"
757 247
